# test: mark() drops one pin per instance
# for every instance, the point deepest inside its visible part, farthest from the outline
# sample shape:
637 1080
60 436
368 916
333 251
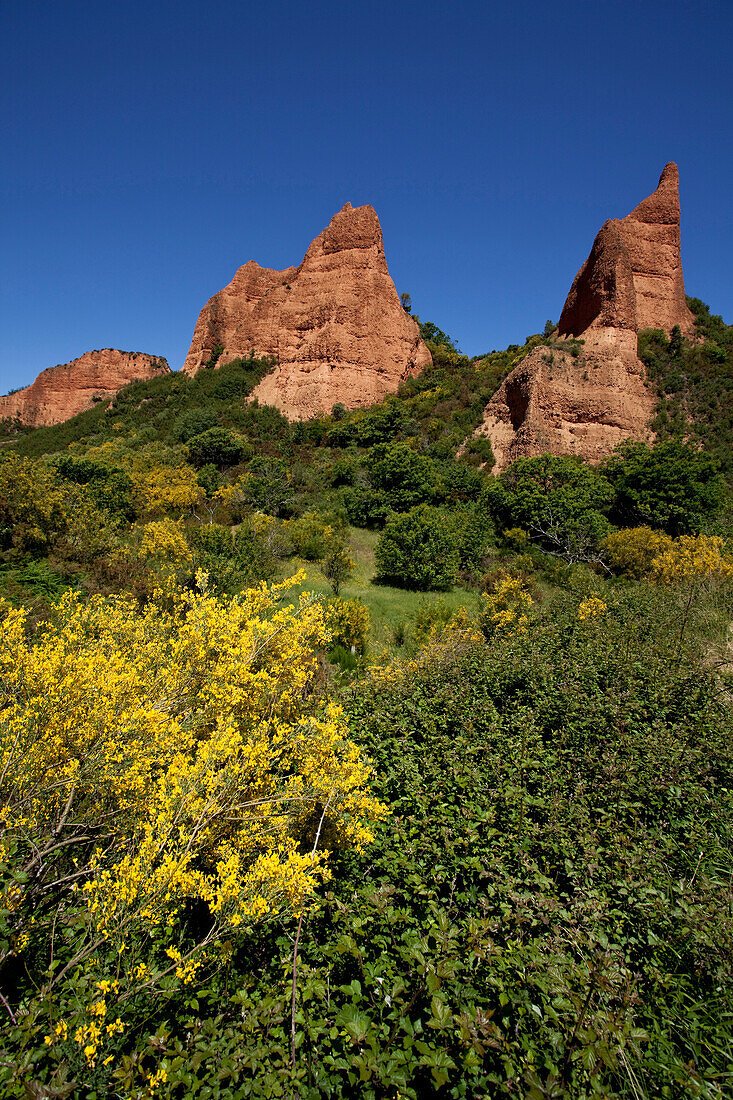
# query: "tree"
672 486
402 476
32 506
267 486
418 550
217 447
559 501
337 565
406 301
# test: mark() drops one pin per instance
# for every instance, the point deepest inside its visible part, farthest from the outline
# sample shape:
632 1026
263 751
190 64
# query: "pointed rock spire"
585 400
335 323
633 276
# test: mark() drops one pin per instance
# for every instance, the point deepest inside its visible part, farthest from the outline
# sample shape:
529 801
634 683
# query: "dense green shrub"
214 447
110 487
559 501
365 507
694 381
673 487
194 422
402 477
418 550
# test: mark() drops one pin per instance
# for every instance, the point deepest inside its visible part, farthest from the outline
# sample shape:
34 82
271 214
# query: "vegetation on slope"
202 893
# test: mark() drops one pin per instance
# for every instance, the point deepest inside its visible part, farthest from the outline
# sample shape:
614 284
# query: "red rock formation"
588 403
334 324
61 392
633 276
558 403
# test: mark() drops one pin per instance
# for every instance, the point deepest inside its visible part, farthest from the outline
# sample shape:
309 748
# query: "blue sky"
151 148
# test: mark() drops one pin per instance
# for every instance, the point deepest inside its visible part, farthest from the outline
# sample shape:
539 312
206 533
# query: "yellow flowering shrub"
347 622
32 505
692 557
632 550
506 608
592 608
165 541
153 758
640 552
159 489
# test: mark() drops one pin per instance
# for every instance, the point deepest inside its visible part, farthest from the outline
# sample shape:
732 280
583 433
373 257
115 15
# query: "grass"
388 606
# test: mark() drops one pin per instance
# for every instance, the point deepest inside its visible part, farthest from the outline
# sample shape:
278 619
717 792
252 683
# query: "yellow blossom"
506 608
191 733
592 608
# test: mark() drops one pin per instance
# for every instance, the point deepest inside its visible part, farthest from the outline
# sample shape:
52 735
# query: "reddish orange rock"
588 403
61 392
557 403
334 324
633 276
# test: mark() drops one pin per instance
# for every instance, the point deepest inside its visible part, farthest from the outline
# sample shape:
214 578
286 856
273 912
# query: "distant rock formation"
633 276
588 402
61 392
334 324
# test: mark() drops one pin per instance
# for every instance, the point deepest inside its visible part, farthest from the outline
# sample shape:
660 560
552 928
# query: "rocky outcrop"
334 324
585 396
571 401
61 392
633 276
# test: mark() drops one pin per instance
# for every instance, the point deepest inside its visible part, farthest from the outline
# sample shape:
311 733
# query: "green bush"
673 487
216 447
559 501
418 550
308 535
402 477
365 508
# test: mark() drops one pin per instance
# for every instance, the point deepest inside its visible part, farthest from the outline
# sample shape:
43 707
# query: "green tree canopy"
418 550
672 486
559 501
217 447
402 476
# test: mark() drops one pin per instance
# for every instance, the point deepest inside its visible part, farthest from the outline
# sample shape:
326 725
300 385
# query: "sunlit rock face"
589 402
61 392
334 324
633 277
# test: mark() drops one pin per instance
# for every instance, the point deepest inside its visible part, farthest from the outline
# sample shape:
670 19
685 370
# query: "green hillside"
333 765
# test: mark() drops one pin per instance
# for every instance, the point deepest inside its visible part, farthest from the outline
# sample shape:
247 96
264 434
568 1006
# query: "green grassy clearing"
387 606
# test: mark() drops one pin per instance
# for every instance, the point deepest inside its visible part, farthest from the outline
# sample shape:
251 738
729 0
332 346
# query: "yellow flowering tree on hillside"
157 759
506 608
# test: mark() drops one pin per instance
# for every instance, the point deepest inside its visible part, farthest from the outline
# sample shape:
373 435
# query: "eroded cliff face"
334 324
557 403
61 392
588 403
633 277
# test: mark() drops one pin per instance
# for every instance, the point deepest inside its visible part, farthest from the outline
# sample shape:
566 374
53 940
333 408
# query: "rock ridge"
334 324
63 391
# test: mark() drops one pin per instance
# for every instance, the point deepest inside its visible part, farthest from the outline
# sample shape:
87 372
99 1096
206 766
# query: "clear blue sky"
151 148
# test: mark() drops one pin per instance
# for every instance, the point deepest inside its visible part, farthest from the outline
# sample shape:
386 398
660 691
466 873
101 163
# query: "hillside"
381 775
